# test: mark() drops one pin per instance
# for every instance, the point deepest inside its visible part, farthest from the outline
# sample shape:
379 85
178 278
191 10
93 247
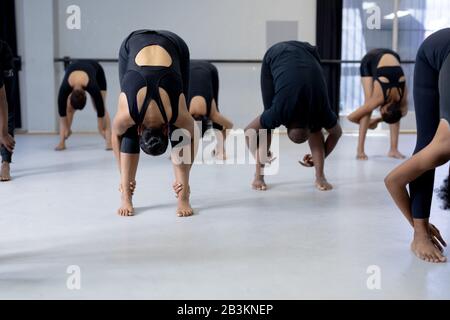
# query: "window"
417 19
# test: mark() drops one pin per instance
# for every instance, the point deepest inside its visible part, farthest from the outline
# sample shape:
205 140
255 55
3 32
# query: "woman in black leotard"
432 106
154 80
204 101
83 76
384 86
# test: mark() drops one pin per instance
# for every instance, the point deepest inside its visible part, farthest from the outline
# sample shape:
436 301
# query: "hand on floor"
307 161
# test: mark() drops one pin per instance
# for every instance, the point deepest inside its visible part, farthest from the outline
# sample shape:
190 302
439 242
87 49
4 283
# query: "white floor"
291 242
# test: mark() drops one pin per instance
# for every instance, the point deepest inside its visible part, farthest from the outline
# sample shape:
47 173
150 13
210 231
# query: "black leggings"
432 103
9 87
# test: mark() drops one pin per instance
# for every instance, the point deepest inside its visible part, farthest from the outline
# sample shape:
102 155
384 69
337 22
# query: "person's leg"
444 92
128 162
316 143
426 103
268 94
221 136
367 84
182 164
5 170
395 133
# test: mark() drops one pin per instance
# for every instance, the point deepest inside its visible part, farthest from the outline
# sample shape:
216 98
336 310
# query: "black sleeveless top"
172 79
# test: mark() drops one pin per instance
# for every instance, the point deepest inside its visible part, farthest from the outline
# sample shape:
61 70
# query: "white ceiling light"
368 5
400 14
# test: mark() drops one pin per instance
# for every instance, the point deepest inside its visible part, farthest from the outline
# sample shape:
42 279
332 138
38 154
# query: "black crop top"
94 87
393 74
173 79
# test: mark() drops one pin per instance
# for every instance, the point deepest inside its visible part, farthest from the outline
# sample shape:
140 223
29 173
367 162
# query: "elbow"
352 119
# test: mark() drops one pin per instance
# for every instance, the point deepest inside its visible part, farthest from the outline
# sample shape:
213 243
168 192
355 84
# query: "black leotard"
204 82
431 103
369 68
173 79
96 84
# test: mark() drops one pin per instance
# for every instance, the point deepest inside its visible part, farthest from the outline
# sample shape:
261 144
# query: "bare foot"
323 185
127 209
184 207
396 154
259 184
60 147
5 174
424 249
108 146
362 156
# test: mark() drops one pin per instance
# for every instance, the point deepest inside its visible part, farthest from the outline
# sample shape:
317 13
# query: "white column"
35 26
395 26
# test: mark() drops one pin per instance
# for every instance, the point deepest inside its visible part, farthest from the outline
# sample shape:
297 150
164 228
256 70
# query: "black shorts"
369 63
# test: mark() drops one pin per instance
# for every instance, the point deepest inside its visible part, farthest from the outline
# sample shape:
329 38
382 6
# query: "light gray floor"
291 242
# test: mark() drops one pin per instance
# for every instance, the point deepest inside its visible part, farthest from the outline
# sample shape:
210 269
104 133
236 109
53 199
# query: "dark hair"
298 135
78 99
444 194
393 113
154 142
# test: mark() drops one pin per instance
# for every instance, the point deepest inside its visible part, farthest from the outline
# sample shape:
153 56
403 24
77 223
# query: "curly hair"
393 113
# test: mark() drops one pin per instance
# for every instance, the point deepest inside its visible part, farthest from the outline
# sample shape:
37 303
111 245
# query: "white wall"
37 80
213 29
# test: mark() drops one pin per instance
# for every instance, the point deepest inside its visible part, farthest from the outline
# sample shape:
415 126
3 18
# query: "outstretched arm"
104 123
218 118
66 113
371 102
364 111
432 156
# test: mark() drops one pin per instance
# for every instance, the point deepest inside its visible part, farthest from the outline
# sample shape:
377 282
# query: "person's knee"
130 142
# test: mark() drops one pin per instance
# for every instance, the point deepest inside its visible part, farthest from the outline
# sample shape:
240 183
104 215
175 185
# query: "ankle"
421 230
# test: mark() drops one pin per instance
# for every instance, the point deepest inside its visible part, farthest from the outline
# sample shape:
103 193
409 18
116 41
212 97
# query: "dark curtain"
8 34
329 44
